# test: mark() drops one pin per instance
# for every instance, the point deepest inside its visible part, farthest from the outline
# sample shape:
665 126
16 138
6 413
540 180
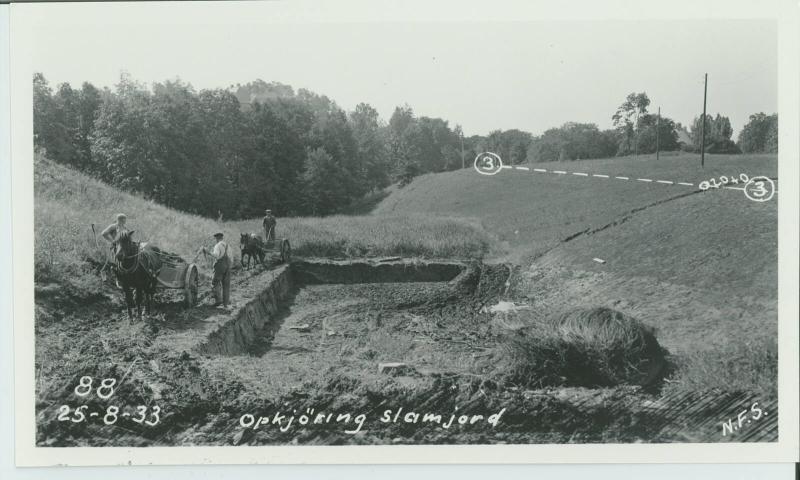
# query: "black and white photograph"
274 224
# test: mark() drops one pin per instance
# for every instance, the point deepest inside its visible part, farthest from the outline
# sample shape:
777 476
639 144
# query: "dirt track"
320 353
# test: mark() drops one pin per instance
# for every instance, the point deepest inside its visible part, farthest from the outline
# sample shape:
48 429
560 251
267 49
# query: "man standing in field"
113 231
269 223
221 282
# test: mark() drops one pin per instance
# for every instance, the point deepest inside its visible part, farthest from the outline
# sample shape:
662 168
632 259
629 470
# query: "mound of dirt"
590 347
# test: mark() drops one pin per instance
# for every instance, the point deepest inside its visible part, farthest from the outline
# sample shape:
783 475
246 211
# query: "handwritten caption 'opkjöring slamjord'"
354 423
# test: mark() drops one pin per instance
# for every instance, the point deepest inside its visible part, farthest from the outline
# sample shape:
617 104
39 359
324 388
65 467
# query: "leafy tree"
572 141
224 130
403 152
260 91
511 145
436 142
325 183
760 135
44 112
64 120
717 134
331 131
410 170
626 119
121 146
371 144
89 104
649 127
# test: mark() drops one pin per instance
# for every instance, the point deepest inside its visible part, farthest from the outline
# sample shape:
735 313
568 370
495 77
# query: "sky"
482 75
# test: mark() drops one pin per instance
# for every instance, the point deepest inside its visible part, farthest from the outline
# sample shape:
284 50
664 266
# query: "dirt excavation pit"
361 338
317 319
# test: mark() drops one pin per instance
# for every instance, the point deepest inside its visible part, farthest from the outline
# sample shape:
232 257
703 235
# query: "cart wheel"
286 251
191 286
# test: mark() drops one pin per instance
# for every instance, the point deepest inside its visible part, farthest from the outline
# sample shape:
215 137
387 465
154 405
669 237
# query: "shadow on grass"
366 204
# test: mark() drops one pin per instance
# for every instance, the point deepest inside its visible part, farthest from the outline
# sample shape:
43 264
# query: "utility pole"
636 135
703 127
658 131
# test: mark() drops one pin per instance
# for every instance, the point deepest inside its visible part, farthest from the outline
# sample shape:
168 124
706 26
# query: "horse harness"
139 252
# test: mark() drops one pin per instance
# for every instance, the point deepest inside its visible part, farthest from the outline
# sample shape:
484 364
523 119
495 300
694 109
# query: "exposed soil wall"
236 334
365 271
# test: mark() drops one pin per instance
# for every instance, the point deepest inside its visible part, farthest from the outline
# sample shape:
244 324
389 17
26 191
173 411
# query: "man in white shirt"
222 272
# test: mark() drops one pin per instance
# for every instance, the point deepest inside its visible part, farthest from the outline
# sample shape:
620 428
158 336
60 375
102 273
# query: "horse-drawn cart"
176 273
255 248
282 247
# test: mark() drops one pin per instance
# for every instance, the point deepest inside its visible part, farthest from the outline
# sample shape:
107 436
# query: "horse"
137 269
252 246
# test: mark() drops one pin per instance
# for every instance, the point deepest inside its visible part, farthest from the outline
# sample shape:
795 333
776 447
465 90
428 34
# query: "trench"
297 285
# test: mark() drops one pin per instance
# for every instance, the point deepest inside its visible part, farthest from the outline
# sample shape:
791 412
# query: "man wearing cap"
269 223
222 271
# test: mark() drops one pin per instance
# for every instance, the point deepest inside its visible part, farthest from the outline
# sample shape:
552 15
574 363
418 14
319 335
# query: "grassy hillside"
701 267
531 212
67 203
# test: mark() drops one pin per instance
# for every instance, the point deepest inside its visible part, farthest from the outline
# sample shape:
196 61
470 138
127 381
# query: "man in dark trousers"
222 272
269 223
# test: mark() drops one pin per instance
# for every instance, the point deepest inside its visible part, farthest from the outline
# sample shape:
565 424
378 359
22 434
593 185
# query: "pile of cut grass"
588 347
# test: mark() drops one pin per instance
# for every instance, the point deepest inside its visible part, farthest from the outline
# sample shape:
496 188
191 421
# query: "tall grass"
402 235
67 203
749 364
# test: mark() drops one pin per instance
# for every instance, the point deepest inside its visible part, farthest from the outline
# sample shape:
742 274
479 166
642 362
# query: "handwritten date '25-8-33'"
141 414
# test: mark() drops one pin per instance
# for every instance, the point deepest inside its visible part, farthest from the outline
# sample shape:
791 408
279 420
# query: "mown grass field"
529 212
699 267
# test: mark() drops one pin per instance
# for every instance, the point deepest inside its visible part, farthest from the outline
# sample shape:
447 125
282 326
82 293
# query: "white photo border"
785 12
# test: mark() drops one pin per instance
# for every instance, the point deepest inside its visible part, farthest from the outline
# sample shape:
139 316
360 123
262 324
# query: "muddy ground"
319 362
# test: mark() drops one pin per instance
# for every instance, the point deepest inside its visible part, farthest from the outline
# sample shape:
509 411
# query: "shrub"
588 347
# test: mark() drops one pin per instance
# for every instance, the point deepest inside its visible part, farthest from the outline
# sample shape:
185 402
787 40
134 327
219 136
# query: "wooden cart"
176 273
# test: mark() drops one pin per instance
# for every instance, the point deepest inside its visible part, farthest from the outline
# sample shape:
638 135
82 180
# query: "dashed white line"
600 175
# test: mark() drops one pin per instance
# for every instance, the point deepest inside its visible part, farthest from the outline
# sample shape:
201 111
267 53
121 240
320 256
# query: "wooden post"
703 126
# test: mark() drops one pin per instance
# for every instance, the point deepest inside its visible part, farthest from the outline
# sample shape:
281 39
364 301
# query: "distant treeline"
234 152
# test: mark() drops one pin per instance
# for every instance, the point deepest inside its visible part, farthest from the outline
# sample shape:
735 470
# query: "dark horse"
253 247
137 269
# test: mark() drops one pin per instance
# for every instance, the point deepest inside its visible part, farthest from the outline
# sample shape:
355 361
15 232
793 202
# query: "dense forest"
233 152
